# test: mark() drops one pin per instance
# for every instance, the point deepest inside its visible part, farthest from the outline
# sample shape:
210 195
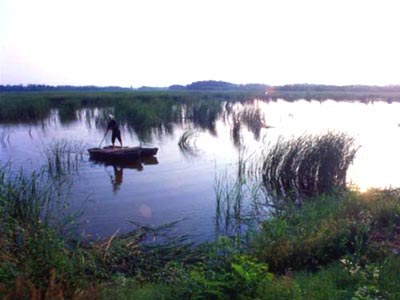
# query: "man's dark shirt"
112 125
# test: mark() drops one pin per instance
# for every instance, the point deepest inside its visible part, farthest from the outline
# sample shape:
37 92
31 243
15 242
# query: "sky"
164 42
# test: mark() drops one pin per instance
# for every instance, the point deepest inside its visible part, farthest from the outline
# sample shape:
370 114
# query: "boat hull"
121 154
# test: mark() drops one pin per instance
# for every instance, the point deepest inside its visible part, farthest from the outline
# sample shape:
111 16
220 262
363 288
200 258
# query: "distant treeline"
209 85
215 86
50 88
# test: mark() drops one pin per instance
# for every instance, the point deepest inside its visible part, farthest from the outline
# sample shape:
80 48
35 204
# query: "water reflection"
118 167
5 137
183 185
187 144
118 175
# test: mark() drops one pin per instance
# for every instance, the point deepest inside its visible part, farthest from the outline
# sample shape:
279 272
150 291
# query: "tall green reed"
239 197
308 165
63 156
21 107
37 251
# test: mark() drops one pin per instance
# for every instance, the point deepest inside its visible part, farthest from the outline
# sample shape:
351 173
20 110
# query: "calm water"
180 184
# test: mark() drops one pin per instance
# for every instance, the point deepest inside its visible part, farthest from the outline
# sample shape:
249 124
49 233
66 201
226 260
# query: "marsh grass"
144 251
307 252
67 111
23 198
239 198
337 246
236 133
34 254
63 156
17 107
41 257
308 165
247 116
144 112
254 119
327 228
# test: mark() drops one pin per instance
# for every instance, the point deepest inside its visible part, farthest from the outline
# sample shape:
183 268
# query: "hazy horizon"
161 87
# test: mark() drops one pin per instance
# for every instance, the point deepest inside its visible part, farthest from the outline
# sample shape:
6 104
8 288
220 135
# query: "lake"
180 183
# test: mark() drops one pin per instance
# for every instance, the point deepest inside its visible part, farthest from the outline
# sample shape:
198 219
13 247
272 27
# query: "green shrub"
122 290
331 282
319 232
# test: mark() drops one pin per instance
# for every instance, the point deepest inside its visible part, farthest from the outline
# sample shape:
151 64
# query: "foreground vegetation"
338 246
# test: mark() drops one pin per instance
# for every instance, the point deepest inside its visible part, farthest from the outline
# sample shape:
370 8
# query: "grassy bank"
333 247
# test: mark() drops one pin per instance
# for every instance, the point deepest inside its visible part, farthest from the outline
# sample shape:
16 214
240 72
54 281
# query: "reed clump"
63 156
254 119
34 254
239 197
308 165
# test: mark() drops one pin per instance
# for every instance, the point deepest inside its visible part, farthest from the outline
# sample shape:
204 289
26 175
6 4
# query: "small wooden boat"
121 154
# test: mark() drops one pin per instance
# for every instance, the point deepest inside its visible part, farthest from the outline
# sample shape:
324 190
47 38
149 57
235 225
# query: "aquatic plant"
20 107
39 261
239 197
34 254
236 131
308 165
67 111
63 156
254 119
41 257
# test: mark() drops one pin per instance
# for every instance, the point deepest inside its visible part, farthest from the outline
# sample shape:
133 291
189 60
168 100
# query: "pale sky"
165 42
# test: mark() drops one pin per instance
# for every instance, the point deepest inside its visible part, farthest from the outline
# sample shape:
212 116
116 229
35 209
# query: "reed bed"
21 107
308 165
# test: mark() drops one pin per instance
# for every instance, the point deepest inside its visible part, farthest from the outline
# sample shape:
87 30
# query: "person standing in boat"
116 133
